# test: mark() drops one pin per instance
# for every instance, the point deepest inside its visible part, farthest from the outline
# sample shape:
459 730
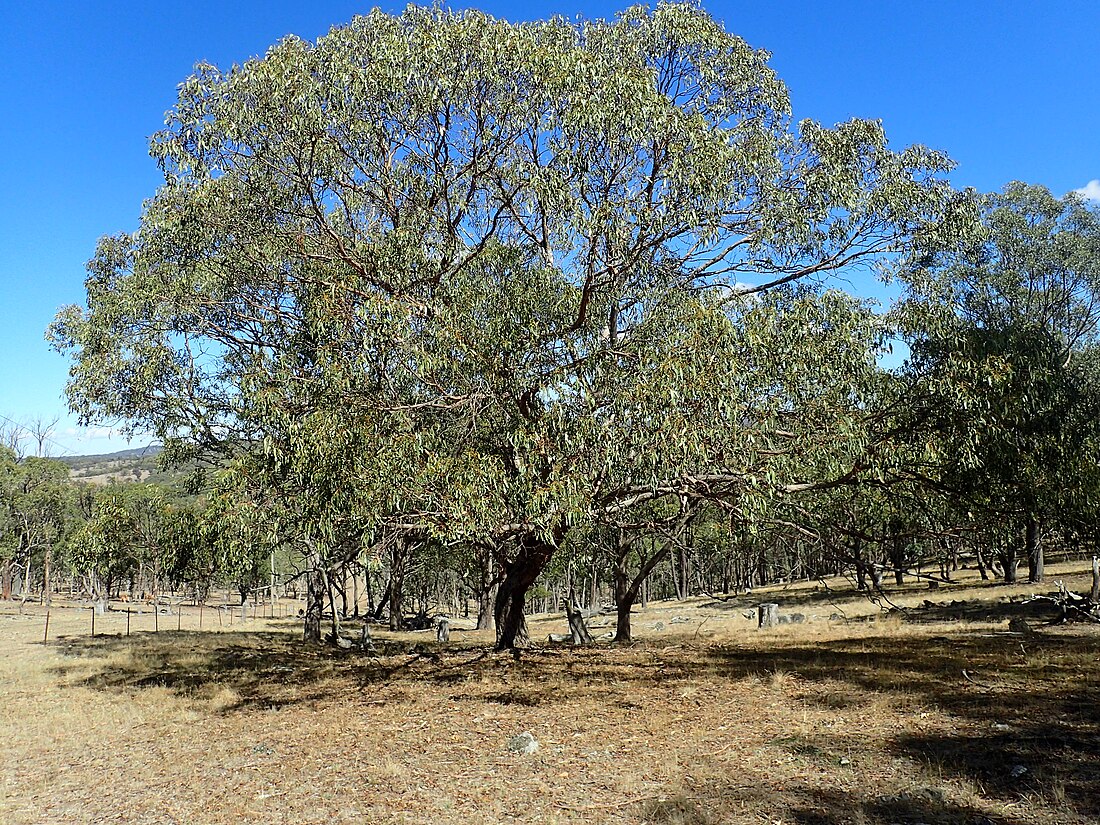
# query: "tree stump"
1094 597
443 630
577 628
767 615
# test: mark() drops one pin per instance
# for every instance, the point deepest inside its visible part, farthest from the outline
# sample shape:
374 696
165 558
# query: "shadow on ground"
1027 707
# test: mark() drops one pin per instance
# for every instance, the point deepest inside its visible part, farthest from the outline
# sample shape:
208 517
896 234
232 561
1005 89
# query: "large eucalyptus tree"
521 262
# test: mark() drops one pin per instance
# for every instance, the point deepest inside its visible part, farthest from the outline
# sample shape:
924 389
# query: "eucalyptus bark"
1008 559
861 568
486 590
5 580
315 603
1034 551
519 574
982 566
398 563
897 559
47 575
626 588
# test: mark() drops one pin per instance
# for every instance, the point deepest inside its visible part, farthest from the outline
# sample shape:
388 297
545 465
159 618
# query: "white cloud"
1090 191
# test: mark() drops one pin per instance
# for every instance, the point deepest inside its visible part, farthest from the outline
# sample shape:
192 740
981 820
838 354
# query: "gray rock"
658 626
1017 771
798 618
524 744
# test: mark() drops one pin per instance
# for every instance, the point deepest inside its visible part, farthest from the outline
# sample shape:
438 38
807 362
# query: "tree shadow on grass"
923 805
981 610
717 802
265 669
1028 708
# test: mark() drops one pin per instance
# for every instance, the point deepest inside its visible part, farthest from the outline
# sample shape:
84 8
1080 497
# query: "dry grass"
703 721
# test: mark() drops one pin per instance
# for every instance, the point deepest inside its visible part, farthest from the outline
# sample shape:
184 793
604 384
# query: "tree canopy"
421 294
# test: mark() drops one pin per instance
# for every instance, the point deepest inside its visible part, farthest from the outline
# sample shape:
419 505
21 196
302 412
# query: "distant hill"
78 461
138 464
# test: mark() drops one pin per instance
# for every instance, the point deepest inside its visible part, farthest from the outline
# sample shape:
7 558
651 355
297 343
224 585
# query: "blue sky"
1010 90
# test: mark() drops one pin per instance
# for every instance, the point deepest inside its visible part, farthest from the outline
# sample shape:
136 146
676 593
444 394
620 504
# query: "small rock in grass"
1017 771
525 744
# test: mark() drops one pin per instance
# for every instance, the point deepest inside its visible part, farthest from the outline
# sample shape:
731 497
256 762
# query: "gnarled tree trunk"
519 574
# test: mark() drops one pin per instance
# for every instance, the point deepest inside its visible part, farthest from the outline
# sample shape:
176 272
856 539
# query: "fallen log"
1073 606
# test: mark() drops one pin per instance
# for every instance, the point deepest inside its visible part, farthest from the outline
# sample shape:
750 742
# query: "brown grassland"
857 716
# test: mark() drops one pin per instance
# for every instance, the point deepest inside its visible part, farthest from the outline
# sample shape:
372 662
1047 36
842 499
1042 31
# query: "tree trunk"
1095 595
1034 550
983 570
486 590
5 580
398 558
519 574
875 569
1009 560
335 618
578 631
47 574
315 603
626 589
861 569
685 573
897 554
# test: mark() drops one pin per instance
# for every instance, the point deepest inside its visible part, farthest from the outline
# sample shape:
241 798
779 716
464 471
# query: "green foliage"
412 292
1003 378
